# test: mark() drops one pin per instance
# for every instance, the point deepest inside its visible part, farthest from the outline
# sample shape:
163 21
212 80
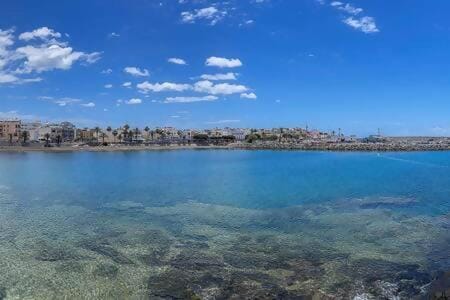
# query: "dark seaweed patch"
106 250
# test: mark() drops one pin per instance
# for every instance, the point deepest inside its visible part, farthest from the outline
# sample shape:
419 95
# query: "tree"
103 137
97 130
58 140
10 139
47 139
24 136
115 133
109 129
146 129
136 133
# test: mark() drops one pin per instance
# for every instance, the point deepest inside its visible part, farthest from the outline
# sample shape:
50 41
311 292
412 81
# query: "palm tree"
109 129
136 133
103 137
115 133
126 127
97 130
146 129
47 139
24 136
120 137
58 140
152 134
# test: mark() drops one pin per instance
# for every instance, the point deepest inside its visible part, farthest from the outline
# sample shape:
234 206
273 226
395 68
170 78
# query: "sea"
223 224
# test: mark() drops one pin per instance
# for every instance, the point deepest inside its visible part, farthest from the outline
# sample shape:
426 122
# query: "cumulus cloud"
177 61
43 33
364 24
45 58
133 101
146 87
211 14
127 84
89 105
222 62
136 71
190 99
251 96
216 77
108 86
43 52
208 87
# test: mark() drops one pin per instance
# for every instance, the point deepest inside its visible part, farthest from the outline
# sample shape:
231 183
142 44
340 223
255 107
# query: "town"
37 135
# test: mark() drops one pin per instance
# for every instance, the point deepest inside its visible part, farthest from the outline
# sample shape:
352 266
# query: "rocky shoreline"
337 147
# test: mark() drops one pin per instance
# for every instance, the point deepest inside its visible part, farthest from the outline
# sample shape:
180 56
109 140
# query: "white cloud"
45 54
251 96
208 87
6 40
146 87
62 101
127 84
45 58
113 35
190 99
107 71
211 14
133 101
223 62
214 77
89 105
43 33
336 3
136 71
177 61
108 86
364 24
8 78
348 8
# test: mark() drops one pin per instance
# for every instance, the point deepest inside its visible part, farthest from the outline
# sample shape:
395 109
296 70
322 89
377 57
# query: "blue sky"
358 65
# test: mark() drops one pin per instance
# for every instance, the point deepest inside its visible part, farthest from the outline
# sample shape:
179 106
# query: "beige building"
10 130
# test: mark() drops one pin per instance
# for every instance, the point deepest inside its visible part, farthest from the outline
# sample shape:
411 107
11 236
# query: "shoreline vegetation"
408 144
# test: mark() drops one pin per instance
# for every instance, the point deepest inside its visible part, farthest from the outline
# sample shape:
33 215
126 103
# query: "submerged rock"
386 202
54 254
106 270
106 250
193 260
2 293
440 288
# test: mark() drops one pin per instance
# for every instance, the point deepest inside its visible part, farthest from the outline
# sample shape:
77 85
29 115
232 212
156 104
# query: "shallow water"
223 224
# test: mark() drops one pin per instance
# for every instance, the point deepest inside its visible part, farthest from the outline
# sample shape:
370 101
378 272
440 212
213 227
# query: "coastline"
332 147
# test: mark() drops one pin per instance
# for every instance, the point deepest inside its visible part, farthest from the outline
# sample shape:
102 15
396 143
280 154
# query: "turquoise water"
218 224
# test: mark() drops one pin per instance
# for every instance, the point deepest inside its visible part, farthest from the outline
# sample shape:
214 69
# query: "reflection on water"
62 241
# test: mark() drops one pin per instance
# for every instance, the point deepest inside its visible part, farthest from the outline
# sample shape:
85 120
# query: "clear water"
223 224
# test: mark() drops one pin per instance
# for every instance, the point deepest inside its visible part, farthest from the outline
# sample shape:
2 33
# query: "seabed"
347 249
